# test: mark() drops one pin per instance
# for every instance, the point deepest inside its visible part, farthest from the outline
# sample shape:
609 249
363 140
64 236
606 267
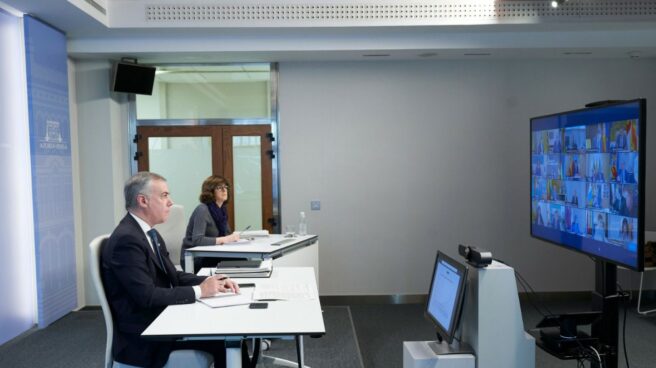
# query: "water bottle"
302 224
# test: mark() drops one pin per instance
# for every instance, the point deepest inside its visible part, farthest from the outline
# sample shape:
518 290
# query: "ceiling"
263 31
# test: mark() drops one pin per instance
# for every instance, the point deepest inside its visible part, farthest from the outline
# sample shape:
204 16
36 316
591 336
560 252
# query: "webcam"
476 257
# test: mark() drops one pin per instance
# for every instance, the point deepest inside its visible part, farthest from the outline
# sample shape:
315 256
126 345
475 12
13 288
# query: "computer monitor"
588 181
134 78
446 295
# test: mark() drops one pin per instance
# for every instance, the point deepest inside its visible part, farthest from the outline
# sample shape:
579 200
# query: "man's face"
158 203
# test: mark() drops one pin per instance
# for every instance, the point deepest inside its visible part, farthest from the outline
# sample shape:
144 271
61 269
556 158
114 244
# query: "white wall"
18 310
411 157
406 158
103 156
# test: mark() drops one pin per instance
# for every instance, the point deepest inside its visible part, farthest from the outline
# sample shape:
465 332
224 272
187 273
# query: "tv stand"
606 299
559 336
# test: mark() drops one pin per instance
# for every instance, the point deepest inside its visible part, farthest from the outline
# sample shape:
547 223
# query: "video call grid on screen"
584 180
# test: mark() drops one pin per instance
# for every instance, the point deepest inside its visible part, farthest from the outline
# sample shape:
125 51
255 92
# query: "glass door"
248 156
187 155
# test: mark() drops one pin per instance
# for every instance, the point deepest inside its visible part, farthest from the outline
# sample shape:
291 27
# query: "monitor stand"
420 354
457 347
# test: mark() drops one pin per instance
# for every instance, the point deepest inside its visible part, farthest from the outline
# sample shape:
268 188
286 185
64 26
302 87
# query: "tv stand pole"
606 300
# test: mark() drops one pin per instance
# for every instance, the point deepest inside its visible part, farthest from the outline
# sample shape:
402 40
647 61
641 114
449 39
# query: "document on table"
229 299
254 233
238 242
278 291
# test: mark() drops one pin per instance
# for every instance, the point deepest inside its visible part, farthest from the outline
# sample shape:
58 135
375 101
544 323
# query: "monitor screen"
445 295
587 181
134 78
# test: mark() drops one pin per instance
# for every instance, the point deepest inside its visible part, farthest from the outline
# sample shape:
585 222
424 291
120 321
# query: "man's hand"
217 284
230 285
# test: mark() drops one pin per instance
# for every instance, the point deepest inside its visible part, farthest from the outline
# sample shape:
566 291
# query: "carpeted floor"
337 348
358 336
78 340
381 330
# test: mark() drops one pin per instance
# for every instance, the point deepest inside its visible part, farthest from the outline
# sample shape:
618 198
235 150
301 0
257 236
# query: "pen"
246 228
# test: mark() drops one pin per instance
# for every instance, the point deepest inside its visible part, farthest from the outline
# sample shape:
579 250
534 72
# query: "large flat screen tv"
587 181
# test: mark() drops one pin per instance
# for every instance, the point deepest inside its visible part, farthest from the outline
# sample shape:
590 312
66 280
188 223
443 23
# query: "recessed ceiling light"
557 3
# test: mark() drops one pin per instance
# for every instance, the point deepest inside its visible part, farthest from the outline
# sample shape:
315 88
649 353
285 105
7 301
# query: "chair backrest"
173 231
95 248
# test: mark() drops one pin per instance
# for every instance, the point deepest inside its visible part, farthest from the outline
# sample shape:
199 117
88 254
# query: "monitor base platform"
442 348
420 354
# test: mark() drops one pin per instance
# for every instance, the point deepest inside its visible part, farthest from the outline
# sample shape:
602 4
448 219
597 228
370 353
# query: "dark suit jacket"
138 290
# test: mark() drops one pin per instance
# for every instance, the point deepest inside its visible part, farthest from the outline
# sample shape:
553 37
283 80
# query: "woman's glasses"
222 187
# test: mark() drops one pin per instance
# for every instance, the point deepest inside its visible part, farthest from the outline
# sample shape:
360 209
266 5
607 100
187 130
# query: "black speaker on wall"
133 78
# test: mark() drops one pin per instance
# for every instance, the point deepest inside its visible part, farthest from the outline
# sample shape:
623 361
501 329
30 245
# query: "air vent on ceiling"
431 12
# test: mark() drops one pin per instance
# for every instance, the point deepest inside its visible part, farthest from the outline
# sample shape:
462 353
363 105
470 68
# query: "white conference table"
282 319
258 248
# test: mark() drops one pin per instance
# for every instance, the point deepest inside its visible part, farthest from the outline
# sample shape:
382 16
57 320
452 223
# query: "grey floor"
357 336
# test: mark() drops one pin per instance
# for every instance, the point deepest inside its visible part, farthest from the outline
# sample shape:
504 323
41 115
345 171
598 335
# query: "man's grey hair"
139 183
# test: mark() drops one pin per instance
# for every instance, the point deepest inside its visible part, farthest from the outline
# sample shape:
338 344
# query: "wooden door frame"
145 132
262 131
221 136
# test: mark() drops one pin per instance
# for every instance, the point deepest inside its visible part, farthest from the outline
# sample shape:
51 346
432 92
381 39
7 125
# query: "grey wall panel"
411 157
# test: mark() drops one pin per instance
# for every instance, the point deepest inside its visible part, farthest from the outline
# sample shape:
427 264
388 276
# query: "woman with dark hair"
208 224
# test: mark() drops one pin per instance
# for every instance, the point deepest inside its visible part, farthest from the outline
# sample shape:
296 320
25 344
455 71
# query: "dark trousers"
217 349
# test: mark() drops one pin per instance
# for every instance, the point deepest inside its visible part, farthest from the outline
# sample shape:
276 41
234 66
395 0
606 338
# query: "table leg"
189 262
233 353
299 351
268 361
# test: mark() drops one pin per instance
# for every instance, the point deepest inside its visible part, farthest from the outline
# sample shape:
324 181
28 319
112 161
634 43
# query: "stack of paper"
254 233
236 269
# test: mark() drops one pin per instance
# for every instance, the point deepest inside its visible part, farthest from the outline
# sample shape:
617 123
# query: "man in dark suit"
140 280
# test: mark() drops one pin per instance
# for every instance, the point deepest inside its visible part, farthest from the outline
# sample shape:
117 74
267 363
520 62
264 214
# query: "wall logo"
53 137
